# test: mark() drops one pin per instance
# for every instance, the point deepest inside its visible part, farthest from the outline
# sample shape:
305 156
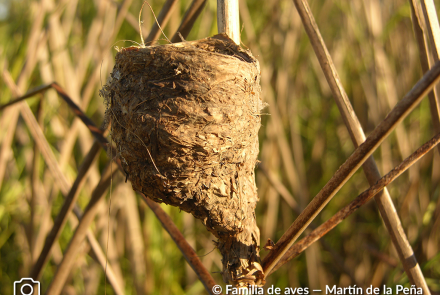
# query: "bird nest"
185 120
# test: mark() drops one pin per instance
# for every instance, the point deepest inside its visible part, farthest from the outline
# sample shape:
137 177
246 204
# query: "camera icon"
26 286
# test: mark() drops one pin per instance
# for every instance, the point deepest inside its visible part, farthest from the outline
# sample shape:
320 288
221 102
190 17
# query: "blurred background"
303 141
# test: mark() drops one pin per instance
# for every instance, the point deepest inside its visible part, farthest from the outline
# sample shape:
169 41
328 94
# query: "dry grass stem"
280 188
357 135
433 30
187 251
360 200
360 155
39 137
112 278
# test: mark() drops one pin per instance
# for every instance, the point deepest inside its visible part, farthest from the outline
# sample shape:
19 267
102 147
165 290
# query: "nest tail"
185 122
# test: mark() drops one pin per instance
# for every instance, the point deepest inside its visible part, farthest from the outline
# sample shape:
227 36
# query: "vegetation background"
303 141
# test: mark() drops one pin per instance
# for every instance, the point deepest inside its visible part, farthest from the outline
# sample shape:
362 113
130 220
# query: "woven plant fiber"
185 120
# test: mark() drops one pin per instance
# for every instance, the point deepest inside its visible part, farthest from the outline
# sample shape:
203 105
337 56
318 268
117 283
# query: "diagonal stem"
61 218
383 200
185 248
361 200
359 156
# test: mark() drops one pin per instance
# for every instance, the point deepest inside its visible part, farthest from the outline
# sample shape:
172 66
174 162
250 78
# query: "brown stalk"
360 200
166 221
433 29
183 245
383 201
162 19
29 94
188 20
282 190
360 155
81 230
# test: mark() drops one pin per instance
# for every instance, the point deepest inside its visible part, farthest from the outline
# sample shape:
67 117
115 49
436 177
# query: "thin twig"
157 23
360 200
360 155
31 93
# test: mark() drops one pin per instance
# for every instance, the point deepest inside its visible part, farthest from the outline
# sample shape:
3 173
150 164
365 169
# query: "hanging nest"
185 122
